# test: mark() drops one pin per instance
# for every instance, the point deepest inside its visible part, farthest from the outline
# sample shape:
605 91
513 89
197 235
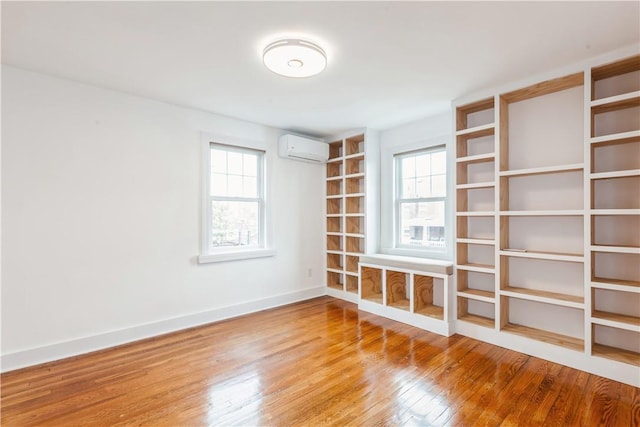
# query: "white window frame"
397 158
389 206
227 253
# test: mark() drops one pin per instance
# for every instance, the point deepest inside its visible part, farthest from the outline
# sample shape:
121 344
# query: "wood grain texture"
318 362
397 285
371 282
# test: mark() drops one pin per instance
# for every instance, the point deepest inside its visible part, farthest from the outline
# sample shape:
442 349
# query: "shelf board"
334 215
335 270
334 252
334 178
373 298
358 254
480 268
476 241
545 336
477 294
617 354
351 273
354 195
431 311
477 213
614 99
475 185
354 214
544 296
334 196
616 249
402 304
615 103
615 137
335 159
558 212
355 175
478 158
619 282
616 285
334 233
615 174
616 320
477 131
614 211
354 156
543 170
354 235
553 256
478 320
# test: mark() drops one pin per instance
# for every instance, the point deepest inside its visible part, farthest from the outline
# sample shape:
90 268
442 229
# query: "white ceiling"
389 62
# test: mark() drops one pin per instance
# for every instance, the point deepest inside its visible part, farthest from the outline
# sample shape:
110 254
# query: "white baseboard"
48 353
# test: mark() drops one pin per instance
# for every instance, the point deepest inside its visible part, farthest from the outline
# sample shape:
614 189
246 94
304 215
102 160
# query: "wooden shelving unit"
542 212
614 220
407 290
476 212
345 198
350 216
548 218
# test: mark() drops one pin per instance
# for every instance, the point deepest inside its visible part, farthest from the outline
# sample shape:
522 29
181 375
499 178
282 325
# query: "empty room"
320 213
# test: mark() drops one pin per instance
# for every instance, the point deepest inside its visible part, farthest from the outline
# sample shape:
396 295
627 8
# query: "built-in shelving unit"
548 218
476 212
348 210
614 220
408 290
541 173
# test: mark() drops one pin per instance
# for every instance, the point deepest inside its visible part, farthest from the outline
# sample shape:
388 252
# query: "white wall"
101 220
434 130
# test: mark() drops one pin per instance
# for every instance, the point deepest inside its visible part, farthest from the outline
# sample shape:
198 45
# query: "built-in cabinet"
409 290
548 218
351 216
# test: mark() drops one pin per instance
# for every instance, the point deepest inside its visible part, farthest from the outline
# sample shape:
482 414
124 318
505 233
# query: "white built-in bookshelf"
548 219
350 213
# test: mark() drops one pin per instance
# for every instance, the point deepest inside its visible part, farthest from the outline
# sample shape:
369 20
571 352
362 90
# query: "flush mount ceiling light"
294 58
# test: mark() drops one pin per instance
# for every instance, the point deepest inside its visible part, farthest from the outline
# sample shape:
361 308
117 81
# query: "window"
235 203
420 199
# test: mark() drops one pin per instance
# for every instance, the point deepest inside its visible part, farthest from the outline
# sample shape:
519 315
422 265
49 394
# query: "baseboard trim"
49 353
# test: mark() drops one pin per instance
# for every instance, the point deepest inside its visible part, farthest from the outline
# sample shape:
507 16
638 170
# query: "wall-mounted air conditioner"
296 147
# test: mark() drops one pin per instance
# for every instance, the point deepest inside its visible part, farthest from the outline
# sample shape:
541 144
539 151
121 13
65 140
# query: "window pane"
407 165
439 163
234 163
250 165
234 224
235 185
250 187
439 186
218 161
408 188
423 187
218 184
422 165
422 225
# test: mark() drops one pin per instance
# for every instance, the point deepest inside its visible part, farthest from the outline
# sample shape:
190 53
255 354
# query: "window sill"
418 253
236 255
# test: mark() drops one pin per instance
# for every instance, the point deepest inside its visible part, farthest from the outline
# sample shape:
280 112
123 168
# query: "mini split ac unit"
296 147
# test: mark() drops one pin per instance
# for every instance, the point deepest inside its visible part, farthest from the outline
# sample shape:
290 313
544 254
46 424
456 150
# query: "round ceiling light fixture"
294 58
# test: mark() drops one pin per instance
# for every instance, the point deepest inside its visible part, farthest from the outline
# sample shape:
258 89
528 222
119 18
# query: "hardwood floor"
319 362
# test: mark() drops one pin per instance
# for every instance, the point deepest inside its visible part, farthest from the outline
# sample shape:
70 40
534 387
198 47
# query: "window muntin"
236 198
420 205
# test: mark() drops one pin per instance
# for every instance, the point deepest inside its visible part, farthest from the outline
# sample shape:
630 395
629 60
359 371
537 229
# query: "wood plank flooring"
318 362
